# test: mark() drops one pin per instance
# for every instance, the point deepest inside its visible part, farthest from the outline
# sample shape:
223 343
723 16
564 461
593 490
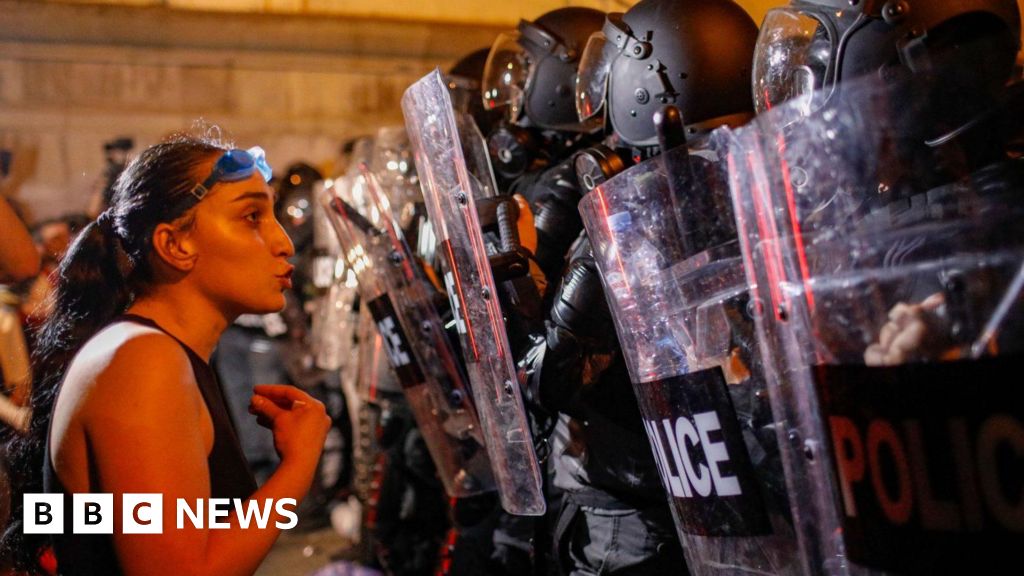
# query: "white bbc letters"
219 508
43 513
142 514
92 514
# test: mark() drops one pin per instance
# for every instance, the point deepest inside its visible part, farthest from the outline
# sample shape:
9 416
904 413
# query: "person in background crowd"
16 381
52 238
19 260
115 153
18 257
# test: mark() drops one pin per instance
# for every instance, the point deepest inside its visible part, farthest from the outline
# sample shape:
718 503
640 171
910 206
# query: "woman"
124 401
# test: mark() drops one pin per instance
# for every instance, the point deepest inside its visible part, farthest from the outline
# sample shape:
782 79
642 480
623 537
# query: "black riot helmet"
533 70
295 203
805 50
693 54
464 83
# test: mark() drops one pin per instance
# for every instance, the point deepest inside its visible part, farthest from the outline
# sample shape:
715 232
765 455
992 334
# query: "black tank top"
88 555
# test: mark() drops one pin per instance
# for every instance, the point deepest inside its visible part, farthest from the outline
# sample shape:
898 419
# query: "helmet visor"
791 60
592 78
505 74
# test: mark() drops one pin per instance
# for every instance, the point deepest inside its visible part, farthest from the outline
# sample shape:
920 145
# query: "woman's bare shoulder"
130 365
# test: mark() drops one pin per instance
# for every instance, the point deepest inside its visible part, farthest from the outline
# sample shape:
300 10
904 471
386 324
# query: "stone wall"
75 76
465 11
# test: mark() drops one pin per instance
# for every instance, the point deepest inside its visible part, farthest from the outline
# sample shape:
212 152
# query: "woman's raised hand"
299 421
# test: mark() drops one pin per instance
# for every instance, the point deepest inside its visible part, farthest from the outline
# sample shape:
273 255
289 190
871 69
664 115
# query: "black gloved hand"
580 310
580 328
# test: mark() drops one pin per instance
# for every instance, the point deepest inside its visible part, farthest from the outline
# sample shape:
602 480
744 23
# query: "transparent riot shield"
449 187
889 260
373 371
352 346
413 339
334 321
376 377
393 167
666 249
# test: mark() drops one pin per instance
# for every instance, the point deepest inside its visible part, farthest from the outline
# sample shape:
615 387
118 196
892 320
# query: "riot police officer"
898 125
696 56
531 74
657 53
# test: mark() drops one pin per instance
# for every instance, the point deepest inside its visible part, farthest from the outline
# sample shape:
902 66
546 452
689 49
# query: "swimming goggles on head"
232 166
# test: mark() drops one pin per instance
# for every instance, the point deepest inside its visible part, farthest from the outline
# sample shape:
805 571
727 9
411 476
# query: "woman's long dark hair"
105 268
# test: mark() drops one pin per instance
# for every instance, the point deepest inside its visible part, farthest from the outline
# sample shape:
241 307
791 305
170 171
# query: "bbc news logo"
144 513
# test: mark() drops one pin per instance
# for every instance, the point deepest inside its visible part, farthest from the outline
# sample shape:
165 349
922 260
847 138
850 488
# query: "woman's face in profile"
243 250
